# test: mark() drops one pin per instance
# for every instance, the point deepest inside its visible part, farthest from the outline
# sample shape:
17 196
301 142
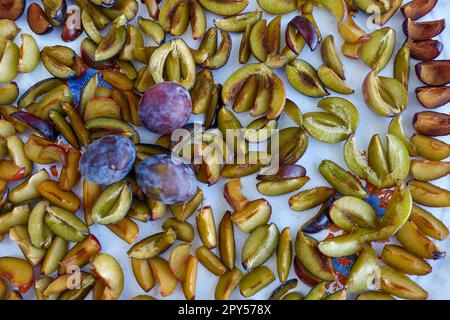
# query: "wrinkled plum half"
165 107
164 179
47 129
11 9
108 160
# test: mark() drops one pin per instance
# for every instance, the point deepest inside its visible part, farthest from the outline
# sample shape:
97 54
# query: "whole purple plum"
108 160
165 107
165 180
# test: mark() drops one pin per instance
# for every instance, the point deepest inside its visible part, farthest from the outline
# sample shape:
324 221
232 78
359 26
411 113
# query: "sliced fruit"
312 259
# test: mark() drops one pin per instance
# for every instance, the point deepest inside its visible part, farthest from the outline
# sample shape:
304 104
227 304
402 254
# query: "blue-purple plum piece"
45 128
165 107
108 160
164 179
306 30
322 219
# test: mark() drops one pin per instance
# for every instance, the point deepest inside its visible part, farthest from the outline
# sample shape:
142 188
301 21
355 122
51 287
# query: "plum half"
432 123
37 19
434 73
425 50
433 97
423 30
416 9
11 9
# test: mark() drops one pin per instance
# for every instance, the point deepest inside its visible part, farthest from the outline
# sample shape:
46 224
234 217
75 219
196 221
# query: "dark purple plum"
306 30
165 107
108 160
164 179
322 219
46 128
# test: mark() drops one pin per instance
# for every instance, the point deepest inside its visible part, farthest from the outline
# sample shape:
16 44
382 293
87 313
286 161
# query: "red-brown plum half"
434 73
416 9
423 30
165 107
11 9
425 50
165 179
108 160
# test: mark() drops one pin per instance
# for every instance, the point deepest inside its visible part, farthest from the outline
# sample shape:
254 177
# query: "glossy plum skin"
166 180
165 107
108 160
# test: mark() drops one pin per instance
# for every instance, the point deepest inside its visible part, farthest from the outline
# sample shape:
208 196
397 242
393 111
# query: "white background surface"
437 283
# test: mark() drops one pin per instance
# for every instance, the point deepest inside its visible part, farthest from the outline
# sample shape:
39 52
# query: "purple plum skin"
108 160
166 180
165 107
46 128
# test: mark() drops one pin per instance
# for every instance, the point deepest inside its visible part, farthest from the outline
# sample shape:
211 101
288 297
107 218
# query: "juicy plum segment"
163 179
165 107
108 160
